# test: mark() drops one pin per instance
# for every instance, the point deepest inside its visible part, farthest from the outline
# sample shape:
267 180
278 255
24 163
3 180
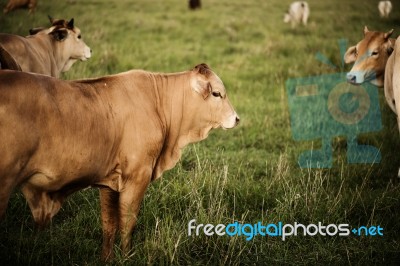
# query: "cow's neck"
62 61
173 91
50 54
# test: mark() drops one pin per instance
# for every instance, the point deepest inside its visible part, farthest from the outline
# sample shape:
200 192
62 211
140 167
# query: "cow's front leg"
129 205
109 217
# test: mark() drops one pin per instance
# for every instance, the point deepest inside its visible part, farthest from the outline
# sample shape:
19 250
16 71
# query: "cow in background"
297 13
385 7
194 4
48 51
14 4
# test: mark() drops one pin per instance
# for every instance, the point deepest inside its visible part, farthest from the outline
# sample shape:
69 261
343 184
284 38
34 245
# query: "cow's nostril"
237 119
351 77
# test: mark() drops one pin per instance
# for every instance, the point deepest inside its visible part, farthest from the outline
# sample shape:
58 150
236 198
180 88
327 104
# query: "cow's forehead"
372 40
216 82
74 30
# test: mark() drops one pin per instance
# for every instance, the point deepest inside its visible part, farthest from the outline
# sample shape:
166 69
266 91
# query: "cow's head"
370 56
69 38
210 105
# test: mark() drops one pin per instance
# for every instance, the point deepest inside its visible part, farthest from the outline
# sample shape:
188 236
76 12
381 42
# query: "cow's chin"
84 58
86 55
355 83
371 80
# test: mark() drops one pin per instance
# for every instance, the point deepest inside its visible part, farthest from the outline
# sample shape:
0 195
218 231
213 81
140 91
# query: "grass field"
247 174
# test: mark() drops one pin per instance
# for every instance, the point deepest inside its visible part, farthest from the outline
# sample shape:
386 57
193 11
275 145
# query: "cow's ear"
366 30
390 47
388 34
351 55
202 87
199 83
203 69
60 34
70 24
51 19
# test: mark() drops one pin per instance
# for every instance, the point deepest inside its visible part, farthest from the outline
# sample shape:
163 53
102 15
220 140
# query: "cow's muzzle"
87 54
355 78
231 122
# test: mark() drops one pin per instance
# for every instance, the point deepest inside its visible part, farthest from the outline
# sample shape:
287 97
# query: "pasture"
248 174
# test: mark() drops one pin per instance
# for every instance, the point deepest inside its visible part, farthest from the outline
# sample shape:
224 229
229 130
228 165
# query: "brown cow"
49 51
14 4
117 132
369 56
374 62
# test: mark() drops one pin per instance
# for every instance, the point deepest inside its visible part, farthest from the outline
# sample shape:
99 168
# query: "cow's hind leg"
109 216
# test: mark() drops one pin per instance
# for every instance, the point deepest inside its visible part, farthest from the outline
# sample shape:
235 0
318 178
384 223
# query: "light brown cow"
392 81
14 4
117 132
50 51
374 62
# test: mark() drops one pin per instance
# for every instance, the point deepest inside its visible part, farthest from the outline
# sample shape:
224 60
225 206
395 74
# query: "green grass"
248 174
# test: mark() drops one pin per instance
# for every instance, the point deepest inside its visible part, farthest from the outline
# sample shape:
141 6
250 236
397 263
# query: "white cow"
297 13
385 7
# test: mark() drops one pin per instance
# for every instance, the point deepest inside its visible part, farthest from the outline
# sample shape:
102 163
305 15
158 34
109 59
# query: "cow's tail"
7 61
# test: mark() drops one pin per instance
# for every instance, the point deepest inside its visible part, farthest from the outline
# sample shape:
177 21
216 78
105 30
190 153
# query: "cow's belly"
60 180
54 169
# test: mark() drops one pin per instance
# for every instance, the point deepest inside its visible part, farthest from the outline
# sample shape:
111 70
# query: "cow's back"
30 53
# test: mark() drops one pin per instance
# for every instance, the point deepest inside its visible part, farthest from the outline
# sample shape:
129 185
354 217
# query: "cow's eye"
216 94
79 36
374 53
